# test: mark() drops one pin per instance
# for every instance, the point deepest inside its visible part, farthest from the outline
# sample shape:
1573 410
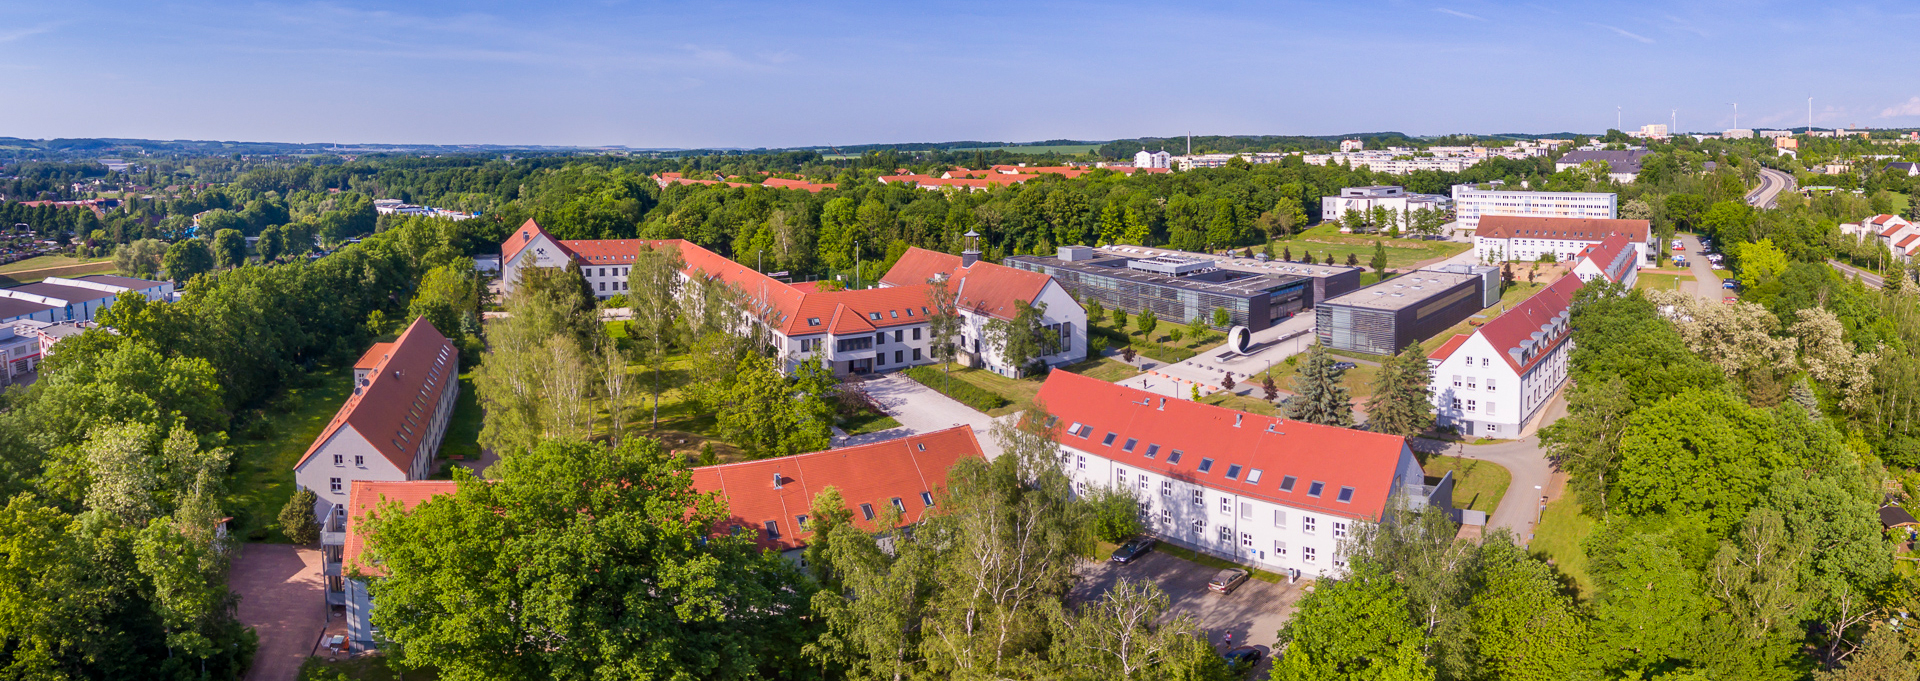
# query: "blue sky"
696 74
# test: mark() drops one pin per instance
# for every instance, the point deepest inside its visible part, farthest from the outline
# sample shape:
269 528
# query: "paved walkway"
1706 283
282 596
1270 347
921 410
1519 509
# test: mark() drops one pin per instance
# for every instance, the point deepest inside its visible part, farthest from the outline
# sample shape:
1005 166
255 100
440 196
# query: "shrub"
1115 514
961 391
296 518
1177 334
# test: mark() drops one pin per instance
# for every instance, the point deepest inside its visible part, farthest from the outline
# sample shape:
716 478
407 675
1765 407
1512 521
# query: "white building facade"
1152 159
1504 238
1491 382
1365 199
1471 203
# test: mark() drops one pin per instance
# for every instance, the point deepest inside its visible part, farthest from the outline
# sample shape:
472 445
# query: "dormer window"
1314 489
813 321
874 316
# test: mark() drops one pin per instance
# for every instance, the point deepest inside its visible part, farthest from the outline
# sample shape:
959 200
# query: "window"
851 344
1314 489
1456 403
1246 511
1233 472
1166 516
1339 561
1346 495
334 484
773 529
1307 524
1491 428
927 498
1253 476
1469 362
1120 475
1199 498
899 356
1246 539
800 521
1206 465
895 314
1226 506
1082 463
866 511
1108 440
1472 405
1080 430
1199 525
875 316
1471 383
1152 450
1128 447
1142 484
603 286
339 459
1166 488
1489 385
1174 457
880 338
899 505
916 330
1286 483
1279 518
360 460
1226 534
1279 548
1339 529
1456 380
881 358
916 354
1306 553
899 336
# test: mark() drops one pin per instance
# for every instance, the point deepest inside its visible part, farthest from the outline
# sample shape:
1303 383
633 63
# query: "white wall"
316 473
1494 400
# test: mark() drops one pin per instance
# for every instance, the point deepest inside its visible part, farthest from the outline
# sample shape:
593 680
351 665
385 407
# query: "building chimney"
1237 418
1163 404
972 254
777 481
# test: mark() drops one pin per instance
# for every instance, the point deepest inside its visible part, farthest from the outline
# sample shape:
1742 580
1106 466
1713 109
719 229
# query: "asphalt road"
1872 280
1519 509
1706 283
1253 613
1772 182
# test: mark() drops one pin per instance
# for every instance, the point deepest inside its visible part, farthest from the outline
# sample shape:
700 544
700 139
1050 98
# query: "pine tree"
1285 253
1379 263
1319 397
1400 403
1273 391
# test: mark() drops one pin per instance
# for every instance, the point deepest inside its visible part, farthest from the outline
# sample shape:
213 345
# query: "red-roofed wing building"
854 332
772 498
986 291
1613 261
1892 231
1499 238
388 430
1276 494
1491 382
367 497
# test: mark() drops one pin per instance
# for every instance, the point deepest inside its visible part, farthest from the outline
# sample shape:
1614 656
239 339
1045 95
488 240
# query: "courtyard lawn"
263 468
463 427
868 423
1519 291
1018 392
1401 253
1104 368
1660 281
1477 485
1558 539
1163 333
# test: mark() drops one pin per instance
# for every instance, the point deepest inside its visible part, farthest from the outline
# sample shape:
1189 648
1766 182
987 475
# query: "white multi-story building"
1152 159
853 332
1614 260
1900 237
1501 238
1737 134
1470 203
1192 161
1365 199
1491 382
1263 491
1656 131
1352 145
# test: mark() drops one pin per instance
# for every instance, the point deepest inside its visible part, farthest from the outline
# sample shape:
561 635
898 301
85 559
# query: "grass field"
1163 333
263 469
370 668
17 277
1105 369
1477 485
868 423
1327 239
1562 528
1056 148
1521 290
1661 281
46 261
1213 562
463 427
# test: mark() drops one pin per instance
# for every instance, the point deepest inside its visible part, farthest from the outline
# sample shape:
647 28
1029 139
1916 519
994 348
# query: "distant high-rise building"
1352 145
1152 159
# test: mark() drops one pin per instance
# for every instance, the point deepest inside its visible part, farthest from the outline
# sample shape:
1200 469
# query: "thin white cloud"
10 36
1624 32
1457 13
1911 107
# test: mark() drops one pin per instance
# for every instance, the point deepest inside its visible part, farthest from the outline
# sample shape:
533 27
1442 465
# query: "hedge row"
966 393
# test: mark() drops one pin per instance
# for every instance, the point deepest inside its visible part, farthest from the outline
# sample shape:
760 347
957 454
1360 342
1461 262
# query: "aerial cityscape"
366 343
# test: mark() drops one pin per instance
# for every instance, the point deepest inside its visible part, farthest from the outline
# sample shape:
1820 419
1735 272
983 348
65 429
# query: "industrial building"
1385 317
1178 286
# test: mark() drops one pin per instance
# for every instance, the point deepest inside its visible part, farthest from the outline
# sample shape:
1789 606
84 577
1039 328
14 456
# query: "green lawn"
1217 563
371 668
1519 291
868 423
1018 392
1660 280
1327 239
1163 333
463 428
263 468
47 261
1104 368
1558 537
1477 485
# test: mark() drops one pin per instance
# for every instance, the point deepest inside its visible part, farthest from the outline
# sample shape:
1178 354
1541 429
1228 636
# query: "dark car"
1134 548
1242 659
1730 283
1342 366
1227 580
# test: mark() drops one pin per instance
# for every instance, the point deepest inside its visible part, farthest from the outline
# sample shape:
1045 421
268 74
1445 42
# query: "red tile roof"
1880 219
1441 353
873 474
918 267
798 184
1890 231
521 237
1507 331
1910 239
373 356
1578 229
984 288
1609 253
1339 457
394 410
366 496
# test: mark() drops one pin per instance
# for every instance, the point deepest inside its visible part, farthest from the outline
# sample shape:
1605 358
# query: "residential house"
1500 238
1258 490
772 498
1893 232
348 544
388 430
1622 166
1491 382
1613 261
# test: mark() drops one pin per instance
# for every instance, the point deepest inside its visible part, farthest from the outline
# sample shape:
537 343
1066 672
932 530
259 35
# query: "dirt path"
282 596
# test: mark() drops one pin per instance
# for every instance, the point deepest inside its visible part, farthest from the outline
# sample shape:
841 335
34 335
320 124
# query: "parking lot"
1253 613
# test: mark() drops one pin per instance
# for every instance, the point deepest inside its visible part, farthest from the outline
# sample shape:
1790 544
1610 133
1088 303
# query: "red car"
1679 247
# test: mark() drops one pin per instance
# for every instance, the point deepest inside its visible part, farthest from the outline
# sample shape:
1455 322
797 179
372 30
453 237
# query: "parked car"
1678 246
1730 284
1242 659
1225 581
1342 366
1134 548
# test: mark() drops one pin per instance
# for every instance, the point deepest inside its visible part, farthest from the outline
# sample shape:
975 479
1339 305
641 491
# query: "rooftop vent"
1237 418
778 483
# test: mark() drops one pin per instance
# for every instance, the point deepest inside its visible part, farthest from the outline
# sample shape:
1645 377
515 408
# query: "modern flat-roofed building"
1365 199
1177 285
1384 318
1471 203
1500 238
21 309
77 299
1489 383
1258 490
